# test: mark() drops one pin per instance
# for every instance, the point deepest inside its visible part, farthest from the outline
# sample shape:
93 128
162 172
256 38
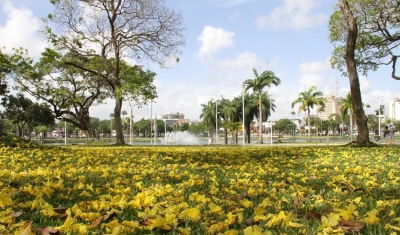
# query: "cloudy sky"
225 40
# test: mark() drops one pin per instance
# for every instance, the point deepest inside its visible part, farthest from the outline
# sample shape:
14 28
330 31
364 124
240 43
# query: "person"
391 133
386 134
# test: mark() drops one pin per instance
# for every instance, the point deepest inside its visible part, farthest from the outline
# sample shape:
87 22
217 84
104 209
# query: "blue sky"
225 40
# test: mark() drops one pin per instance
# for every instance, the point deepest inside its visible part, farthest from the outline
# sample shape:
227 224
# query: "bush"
15 141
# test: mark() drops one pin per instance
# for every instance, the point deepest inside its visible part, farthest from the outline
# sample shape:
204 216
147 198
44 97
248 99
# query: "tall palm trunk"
260 120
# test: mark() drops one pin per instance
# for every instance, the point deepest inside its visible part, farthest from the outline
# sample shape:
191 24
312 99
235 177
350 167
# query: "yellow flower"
191 214
255 230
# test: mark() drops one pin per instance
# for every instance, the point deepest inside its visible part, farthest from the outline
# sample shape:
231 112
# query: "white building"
393 110
331 106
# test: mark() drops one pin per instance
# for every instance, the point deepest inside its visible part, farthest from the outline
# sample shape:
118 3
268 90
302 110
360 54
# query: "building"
180 117
331 107
393 110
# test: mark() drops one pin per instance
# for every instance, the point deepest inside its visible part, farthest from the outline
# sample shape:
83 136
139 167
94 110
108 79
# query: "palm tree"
228 112
346 107
208 114
250 112
307 100
266 79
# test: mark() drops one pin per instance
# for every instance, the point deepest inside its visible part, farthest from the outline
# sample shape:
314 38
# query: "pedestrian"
386 135
391 133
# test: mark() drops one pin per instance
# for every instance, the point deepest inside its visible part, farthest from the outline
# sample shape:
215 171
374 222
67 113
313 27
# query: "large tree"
257 84
26 114
69 91
365 34
307 100
110 30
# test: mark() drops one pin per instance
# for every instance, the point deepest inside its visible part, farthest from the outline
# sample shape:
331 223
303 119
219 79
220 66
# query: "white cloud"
312 73
213 39
365 86
293 14
20 30
246 61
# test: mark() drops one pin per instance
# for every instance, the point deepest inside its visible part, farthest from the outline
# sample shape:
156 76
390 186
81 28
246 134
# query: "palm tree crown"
307 100
257 84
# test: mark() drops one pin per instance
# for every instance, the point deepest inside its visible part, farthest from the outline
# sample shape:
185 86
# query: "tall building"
331 106
393 110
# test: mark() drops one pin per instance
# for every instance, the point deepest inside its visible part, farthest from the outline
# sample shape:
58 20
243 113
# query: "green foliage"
378 35
285 125
13 141
307 100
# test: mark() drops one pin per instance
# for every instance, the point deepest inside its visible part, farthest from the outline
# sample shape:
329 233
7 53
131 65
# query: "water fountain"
180 138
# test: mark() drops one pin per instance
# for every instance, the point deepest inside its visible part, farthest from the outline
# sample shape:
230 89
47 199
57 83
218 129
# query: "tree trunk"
260 120
248 131
117 121
361 119
225 136
351 127
309 126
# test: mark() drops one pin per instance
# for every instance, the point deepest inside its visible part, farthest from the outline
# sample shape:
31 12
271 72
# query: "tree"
346 105
285 125
110 30
69 91
24 113
198 129
6 67
377 36
208 114
307 100
184 126
39 114
251 111
228 112
349 31
266 79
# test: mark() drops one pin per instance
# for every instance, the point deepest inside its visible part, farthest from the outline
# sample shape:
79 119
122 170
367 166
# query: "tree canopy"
108 32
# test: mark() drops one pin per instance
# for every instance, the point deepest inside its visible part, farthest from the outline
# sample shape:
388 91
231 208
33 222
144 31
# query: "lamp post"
244 131
151 123
65 133
165 131
155 128
379 115
216 122
270 114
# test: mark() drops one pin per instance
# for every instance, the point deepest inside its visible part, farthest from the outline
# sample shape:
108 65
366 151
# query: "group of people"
389 133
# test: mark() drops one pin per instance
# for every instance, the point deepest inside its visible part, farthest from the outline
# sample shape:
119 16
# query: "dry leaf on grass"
350 226
47 231
15 214
102 218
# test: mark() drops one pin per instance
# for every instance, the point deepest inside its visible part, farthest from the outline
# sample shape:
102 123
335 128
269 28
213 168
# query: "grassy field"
199 190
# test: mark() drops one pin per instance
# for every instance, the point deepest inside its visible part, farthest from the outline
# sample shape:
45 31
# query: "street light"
165 131
244 132
216 122
65 133
379 115
270 113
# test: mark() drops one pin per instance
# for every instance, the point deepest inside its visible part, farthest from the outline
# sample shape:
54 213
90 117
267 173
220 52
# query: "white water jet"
180 138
